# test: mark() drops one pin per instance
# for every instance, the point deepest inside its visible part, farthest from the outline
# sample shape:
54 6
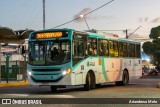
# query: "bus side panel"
133 67
81 69
137 69
106 69
113 69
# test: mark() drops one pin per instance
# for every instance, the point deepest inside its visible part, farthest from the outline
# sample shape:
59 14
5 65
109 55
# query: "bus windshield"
49 52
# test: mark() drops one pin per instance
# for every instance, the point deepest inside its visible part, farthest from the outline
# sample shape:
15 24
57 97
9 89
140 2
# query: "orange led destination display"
49 35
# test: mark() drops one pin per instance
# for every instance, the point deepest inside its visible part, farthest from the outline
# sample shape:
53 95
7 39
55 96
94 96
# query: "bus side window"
90 50
111 50
131 50
106 47
92 46
80 49
116 53
94 50
79 44
138 54
134 50
100 48
125 50
121 53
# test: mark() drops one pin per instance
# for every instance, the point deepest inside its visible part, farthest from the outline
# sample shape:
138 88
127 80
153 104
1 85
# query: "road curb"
13 84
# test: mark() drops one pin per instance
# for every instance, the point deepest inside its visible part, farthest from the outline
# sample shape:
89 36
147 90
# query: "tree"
153 48
155 33
148 48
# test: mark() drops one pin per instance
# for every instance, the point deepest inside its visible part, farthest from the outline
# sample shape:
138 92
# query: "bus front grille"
47 70
36 80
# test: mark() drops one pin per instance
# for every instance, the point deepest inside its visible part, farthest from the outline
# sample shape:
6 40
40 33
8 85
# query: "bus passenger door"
79 45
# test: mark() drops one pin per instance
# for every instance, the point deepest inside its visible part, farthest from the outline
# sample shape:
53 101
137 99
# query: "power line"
67 22
111 30
85 14
44 20
98 7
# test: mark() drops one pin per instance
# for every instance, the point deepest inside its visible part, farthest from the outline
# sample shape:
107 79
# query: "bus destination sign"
48 35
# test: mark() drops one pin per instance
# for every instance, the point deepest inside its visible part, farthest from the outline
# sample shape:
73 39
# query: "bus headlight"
29 73
65 72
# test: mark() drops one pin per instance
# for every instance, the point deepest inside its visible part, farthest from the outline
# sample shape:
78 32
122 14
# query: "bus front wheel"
90 81
54 88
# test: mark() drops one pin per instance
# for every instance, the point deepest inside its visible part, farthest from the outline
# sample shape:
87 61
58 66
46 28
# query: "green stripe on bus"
103 69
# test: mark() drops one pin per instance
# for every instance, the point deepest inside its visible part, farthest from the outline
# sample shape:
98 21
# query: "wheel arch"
126 71
92 73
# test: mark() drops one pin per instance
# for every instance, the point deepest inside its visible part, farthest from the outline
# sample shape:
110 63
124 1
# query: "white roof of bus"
110 36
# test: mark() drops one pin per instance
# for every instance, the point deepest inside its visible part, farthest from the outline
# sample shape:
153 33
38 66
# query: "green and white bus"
66 57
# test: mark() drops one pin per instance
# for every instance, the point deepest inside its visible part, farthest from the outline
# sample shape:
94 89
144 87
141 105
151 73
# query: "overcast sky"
118 15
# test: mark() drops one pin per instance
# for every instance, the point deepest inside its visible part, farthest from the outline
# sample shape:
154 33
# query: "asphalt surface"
145 87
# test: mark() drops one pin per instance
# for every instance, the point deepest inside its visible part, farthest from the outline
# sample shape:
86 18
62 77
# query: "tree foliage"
155 32
153 48
148 48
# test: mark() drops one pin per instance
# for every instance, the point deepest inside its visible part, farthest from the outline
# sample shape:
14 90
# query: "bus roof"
110 36
46 30
102 35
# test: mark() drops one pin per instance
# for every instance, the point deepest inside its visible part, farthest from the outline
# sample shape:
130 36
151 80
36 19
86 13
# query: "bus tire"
98 85
125 79
90 81
54 88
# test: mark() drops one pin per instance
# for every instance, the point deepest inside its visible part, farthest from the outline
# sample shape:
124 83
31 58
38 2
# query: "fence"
13 73
12 70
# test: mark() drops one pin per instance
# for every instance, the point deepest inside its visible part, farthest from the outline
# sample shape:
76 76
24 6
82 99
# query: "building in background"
13 51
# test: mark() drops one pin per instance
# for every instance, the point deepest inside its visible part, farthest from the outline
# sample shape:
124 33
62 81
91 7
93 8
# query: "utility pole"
44 15
126 33
0 64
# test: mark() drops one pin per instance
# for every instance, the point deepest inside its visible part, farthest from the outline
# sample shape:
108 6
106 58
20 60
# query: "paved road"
141 88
